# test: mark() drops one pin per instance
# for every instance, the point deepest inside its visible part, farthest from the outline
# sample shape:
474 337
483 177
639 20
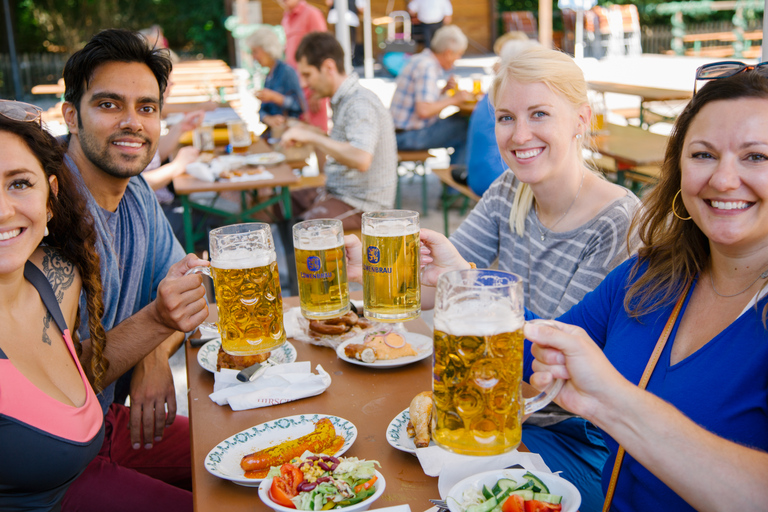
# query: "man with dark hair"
361 168
114 90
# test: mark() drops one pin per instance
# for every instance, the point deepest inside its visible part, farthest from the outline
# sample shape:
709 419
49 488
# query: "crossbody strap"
642 384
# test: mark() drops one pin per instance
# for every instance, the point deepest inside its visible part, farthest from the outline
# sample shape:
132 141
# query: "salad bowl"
456 498
380 485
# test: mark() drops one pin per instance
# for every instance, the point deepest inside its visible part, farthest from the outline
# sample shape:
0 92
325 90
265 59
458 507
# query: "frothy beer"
322 271
391 262
477 375
249 302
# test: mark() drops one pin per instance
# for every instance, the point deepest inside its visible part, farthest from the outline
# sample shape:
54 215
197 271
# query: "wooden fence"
42 68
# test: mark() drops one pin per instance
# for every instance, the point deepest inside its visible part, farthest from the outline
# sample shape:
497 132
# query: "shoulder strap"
35 276
642 384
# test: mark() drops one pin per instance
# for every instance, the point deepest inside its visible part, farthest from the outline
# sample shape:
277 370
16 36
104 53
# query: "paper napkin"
278 384
452 467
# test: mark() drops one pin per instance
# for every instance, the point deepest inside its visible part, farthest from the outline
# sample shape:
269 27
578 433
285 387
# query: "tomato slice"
540 506
281 493
513 503
293 476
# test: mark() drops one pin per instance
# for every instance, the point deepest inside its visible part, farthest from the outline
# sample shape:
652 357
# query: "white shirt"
353 20
431 11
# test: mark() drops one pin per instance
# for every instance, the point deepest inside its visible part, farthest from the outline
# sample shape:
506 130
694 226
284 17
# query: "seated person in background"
114 94
549 219
484 163
361 147
281 97
418 99
51 424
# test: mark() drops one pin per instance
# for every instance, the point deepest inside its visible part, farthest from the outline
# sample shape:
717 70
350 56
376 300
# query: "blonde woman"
549 219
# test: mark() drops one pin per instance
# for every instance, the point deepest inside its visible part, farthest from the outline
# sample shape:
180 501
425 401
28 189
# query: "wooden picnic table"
368 397
631 147
646 93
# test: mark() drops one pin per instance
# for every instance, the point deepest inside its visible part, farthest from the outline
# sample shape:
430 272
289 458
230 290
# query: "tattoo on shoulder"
60 272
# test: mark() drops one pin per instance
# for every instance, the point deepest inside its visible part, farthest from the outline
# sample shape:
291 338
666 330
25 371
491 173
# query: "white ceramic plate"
397 433
265 159
224 460
420 343
208 353
556 484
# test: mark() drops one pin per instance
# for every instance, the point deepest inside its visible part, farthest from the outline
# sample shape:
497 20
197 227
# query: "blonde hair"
538 64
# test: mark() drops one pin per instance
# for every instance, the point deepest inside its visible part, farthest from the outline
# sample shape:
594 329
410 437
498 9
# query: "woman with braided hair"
51 424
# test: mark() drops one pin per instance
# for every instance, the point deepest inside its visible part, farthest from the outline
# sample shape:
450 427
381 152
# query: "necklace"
541 233
712 282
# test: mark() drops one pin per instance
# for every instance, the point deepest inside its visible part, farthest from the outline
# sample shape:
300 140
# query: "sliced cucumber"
485 506
504 483
487 494
526 494
537 483
523 487
547 498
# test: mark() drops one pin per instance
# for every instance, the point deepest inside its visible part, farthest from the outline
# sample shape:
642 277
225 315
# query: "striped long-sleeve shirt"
557 271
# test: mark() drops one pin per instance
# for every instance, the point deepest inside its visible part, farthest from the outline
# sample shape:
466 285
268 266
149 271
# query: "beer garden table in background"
633 149
646 93
368 397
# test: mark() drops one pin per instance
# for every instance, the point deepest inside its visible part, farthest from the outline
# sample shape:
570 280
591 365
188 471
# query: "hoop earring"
673 207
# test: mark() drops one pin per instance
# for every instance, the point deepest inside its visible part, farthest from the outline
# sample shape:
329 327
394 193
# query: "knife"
249 373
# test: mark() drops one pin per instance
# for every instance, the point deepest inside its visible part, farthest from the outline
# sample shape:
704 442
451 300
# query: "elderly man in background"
362 155
418 98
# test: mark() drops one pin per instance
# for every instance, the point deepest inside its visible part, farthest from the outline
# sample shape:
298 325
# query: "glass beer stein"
321 268
391 265
478 363
247 286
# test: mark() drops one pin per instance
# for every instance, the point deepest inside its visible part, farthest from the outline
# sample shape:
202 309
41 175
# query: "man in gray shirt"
362 154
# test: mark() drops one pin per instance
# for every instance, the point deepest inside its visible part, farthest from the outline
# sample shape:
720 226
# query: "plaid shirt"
416 82
360 119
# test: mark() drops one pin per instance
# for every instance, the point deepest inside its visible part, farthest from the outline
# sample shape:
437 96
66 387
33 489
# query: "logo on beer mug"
313 263
373 255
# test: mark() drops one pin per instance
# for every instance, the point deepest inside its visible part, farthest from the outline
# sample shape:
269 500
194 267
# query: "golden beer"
476 387
391 285
250 304
323 286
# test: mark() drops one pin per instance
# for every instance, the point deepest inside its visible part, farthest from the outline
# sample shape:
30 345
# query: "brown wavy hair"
675 250
71 234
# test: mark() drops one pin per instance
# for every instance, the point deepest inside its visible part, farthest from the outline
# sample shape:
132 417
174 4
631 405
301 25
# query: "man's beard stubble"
100 156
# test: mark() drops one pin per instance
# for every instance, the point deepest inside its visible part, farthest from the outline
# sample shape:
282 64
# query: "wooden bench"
448 200
722 50
418 158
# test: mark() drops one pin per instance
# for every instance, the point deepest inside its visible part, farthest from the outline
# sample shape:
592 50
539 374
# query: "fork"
440 504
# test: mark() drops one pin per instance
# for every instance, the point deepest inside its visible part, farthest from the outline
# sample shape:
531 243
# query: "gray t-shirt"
558 271
136 246
360 119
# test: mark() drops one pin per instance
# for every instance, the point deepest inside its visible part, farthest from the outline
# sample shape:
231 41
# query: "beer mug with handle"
321 268
391 265
478 363
247 286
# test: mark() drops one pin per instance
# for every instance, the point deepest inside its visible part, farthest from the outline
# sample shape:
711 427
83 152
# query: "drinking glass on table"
321 267
203 139
239 136
391 264
477 367
247 287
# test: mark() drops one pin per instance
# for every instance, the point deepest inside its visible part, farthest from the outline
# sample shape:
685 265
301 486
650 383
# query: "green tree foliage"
192 27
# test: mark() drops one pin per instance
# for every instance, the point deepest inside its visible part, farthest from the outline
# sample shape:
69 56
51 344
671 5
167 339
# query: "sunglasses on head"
20 111
725 69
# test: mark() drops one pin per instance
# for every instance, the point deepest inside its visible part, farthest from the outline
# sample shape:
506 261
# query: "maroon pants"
123 479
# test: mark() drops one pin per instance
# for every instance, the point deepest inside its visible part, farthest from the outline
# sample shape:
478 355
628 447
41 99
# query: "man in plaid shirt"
418 99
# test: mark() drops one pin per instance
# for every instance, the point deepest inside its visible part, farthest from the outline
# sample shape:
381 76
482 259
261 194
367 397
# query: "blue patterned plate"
397 433
208 353
224 460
